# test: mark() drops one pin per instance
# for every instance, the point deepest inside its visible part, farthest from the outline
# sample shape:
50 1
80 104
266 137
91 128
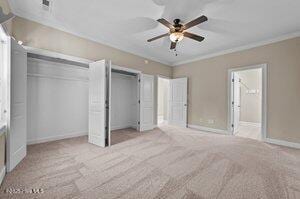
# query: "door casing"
230 115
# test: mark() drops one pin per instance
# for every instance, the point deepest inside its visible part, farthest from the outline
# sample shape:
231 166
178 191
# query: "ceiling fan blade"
195 22
158 37
193 36
173 45
165 23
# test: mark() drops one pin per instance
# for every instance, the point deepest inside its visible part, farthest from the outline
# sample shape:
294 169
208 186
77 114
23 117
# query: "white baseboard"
282 143
267 140
250 124
2 174
113 128
207 129
54 138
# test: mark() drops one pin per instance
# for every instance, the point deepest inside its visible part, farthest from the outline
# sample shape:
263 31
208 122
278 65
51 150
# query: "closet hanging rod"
123 72
57 60
56 57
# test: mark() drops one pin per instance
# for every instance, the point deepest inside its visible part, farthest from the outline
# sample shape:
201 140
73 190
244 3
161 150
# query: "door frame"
264 91
138 73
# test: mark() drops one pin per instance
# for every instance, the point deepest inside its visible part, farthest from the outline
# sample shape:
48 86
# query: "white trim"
136 50
266 140
54 138
250 124
264 96
114 128
208 129
282 143
18 157
241 48
2 174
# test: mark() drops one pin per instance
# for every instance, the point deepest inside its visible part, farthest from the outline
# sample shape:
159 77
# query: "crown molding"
135 50
132 49
241 48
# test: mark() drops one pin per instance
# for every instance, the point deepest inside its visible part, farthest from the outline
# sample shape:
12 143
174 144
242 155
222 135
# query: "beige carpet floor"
164 163
123 135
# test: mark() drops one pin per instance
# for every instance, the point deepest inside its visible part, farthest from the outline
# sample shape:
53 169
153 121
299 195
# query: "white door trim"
264 96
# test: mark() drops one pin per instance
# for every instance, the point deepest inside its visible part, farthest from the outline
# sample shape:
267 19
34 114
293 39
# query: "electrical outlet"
210 121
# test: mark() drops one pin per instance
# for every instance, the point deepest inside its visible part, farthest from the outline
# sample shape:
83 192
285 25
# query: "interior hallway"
170 162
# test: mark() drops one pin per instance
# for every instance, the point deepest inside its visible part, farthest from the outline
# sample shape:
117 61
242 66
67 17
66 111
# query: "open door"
16 105
236 102
178 102
99 103
146 102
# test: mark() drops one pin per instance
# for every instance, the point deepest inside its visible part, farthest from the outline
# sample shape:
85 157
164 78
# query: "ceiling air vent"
46 5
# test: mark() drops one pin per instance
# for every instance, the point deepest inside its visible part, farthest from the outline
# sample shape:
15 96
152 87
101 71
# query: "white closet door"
236 102
146 102
16 141
99 92
178 102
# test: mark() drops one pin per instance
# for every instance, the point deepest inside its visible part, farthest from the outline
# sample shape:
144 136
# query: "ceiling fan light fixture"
176 36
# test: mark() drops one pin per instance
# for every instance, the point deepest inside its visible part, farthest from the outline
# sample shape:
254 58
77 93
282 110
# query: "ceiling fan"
178 31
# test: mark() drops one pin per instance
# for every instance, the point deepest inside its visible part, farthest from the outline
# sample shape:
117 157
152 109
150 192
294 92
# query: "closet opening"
125 117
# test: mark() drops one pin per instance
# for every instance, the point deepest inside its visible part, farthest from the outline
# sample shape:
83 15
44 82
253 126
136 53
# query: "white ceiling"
127 24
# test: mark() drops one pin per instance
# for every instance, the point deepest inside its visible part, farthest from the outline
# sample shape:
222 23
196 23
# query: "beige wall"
250 110
208 87
6 9
44 37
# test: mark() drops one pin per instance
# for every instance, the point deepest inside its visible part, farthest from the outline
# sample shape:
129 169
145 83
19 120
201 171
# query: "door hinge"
232 80
138 122
139 101
232 125
232 103
139 80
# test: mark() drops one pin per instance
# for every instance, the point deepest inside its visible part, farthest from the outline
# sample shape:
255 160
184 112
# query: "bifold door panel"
16 140
98 103
146 102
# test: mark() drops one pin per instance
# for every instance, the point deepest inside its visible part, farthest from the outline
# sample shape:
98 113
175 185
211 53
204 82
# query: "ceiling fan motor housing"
177 26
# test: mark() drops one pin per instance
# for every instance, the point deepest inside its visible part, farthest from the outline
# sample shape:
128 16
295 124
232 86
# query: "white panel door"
99 92
236 102
16 141
146 102
178 102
